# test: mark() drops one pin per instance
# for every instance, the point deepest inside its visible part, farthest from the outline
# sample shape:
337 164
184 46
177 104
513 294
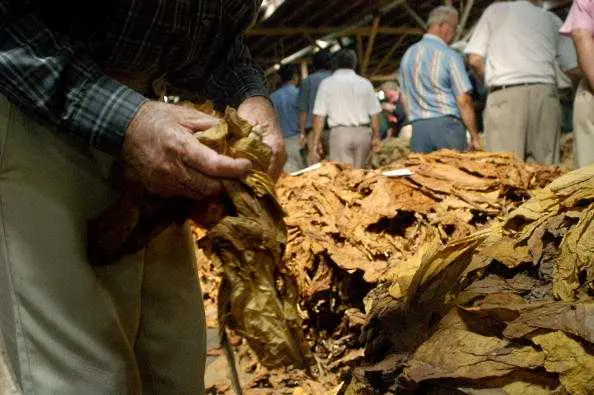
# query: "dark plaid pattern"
54 56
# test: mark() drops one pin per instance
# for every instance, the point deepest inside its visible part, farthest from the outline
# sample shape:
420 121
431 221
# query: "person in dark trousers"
307 96
285 100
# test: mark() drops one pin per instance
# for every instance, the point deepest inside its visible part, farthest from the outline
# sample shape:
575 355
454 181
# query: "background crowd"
509 87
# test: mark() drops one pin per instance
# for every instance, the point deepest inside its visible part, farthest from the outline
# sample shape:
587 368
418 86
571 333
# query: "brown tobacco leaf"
570 359
523 318
258 296
455 351
576 256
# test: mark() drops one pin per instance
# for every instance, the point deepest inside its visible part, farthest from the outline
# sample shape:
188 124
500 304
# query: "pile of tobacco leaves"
506 310
357 241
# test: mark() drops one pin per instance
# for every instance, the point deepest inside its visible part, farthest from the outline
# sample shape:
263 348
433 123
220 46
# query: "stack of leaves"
352 231
392 149
356 220
507 310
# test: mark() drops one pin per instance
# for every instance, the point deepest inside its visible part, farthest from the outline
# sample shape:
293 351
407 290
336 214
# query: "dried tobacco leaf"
455 351
575 257
503 275
257 296
570 359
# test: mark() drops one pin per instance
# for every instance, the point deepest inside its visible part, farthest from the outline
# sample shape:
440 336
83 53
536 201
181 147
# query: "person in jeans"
307 97
437 89
285 100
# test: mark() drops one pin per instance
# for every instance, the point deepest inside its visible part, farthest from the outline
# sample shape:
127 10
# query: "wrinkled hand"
318 150
302 140
161 151
259 110
475 143
376 145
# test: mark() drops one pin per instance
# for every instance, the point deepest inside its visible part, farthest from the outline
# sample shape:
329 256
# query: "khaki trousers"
583 127
525 120
134 327
350 144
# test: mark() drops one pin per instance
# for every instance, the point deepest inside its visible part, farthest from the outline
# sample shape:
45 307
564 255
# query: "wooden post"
390 53
415 16
304 70
359 49
464 18
370 43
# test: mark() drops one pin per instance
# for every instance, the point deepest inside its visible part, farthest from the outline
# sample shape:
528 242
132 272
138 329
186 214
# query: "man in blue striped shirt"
437 89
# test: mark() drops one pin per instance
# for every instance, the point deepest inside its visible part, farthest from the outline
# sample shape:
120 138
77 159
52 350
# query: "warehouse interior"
297 197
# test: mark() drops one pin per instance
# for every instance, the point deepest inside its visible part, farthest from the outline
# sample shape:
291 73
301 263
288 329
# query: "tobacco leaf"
523 318
455 351
568 358
575 257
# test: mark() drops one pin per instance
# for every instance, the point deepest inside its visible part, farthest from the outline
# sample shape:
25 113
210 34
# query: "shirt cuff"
245 82
105 110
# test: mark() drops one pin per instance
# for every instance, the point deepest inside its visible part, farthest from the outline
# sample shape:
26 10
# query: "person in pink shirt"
580 26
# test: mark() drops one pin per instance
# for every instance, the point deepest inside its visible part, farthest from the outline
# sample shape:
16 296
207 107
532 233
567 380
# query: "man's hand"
475 143
388 107
302 140
161 151
318 150
259 110
376 145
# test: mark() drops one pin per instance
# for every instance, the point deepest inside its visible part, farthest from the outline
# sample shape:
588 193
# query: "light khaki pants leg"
544 127
506 120
160 304
60 329
67 330
350 144
583 127
525 121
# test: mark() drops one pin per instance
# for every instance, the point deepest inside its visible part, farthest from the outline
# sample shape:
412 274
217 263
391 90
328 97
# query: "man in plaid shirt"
76 84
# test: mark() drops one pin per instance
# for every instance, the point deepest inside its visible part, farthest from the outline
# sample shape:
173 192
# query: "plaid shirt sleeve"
49 75
237 77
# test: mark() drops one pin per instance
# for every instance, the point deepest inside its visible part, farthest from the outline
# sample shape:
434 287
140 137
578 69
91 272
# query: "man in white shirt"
515 47
350 103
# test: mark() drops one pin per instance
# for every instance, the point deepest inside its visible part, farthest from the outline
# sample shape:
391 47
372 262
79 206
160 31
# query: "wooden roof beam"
389 55
363 31
370 43
464 19
414 16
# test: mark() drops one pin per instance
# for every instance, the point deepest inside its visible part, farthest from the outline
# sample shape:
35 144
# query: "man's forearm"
477 63
375 126
318 127
302 122
584 44
466 108
48 74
